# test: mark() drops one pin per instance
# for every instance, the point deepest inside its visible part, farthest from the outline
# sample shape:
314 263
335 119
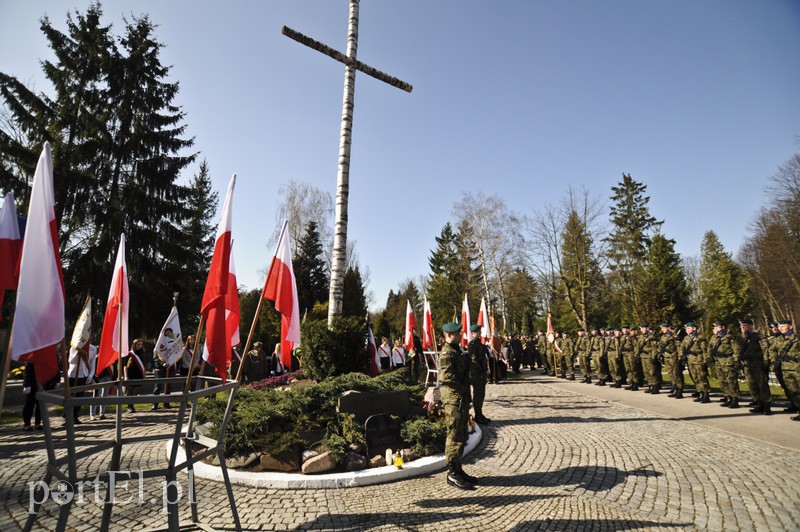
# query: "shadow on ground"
593 524
590 478
358 522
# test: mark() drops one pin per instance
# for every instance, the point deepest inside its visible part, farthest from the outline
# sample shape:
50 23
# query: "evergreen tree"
666 294
451 276
118 153
629 241
354 300
309 269
723 282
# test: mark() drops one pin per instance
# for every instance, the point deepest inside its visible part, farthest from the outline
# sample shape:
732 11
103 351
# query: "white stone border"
365 477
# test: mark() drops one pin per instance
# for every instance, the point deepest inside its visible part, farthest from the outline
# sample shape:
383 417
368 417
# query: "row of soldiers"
638 357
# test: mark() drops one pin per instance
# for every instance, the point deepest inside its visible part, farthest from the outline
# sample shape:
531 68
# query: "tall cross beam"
351 64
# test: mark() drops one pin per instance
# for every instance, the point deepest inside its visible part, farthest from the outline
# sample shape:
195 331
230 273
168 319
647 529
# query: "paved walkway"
553 459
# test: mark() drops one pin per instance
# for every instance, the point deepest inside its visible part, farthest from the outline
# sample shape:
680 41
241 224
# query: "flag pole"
6 362
65 366
197 343
260 303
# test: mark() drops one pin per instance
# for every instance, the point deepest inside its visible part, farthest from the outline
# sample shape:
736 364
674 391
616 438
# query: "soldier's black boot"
734 402
635 387
705 397
588 379
698 397
656 389
455 478
678 394
629 386
571 378
759 408
767 410
468 478
725 400
695 394
649 389
672 392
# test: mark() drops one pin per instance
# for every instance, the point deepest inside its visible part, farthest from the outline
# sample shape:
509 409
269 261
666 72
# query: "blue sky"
698 100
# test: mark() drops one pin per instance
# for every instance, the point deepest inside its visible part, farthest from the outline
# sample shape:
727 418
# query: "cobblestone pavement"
552 459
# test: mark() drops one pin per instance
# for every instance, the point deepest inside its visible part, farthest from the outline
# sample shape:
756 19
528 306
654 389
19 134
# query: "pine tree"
629 242
723 282
580 279
354 300
665 295
309 269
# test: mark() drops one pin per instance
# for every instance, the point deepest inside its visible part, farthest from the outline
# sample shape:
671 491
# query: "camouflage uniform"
541 347
582 346
695 349
598 359
616 364
724 350
756 369
651 363
786 352
669 350
477 374
454 366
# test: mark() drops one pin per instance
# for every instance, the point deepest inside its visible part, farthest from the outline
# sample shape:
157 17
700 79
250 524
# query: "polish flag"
216 292
483 321
427 326
281 287
39 312
10 245
231 310
465 322
372 349
551 335
411 322
114 338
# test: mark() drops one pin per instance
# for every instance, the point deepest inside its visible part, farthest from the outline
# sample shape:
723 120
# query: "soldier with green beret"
582 345
478 370
694 348
454 369
786 353
725 352
567 357
648 350
599 357
633 363
755 362
774 339
669 350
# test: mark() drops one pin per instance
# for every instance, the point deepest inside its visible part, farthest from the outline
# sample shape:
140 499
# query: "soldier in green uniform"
786 352
582 352
567 357
478 371
541 348
616 362
632 360
454 366
649 354
694 348
755 361
669 350
598 358
774 339
724 351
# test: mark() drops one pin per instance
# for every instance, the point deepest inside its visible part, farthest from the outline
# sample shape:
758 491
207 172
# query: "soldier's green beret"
451 327
785 322
689 324
773 324
581 330
746 321
626 327
644 326
719 324
665 325
475 328
616 329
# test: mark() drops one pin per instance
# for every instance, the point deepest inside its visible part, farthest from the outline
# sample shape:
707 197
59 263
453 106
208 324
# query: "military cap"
784 322
475 328
451 327
626 326
581 330
257 344
773 324
665 325
746 321
644 326
719 324
616 329
593 328
689 324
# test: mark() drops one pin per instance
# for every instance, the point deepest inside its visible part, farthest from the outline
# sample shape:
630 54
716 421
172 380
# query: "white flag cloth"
483 320
169 346
465 323
39 312
83 327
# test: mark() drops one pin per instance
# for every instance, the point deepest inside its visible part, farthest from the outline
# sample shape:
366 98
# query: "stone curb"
366 477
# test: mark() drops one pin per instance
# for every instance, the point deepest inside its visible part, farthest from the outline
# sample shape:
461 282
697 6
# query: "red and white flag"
372 349
10 246
483 321
427 326
114 338
411 322
39 312
281 287
465 323
214 296
231 310
551 335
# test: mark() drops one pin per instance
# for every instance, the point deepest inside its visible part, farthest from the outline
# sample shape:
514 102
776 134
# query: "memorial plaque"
382 432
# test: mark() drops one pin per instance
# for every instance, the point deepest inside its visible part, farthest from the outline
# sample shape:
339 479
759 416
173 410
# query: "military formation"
638 358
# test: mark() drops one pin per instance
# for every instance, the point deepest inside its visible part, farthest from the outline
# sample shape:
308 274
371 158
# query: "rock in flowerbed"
301 428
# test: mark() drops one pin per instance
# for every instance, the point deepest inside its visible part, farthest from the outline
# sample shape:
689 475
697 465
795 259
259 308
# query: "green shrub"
336 351
424 436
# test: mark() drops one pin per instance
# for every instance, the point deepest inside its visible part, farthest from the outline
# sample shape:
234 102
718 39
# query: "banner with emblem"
169 346
83 326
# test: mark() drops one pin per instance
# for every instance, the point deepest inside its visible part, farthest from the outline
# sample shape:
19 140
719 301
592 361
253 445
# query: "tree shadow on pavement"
590 478
592 525
368 521
487 501
497 423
